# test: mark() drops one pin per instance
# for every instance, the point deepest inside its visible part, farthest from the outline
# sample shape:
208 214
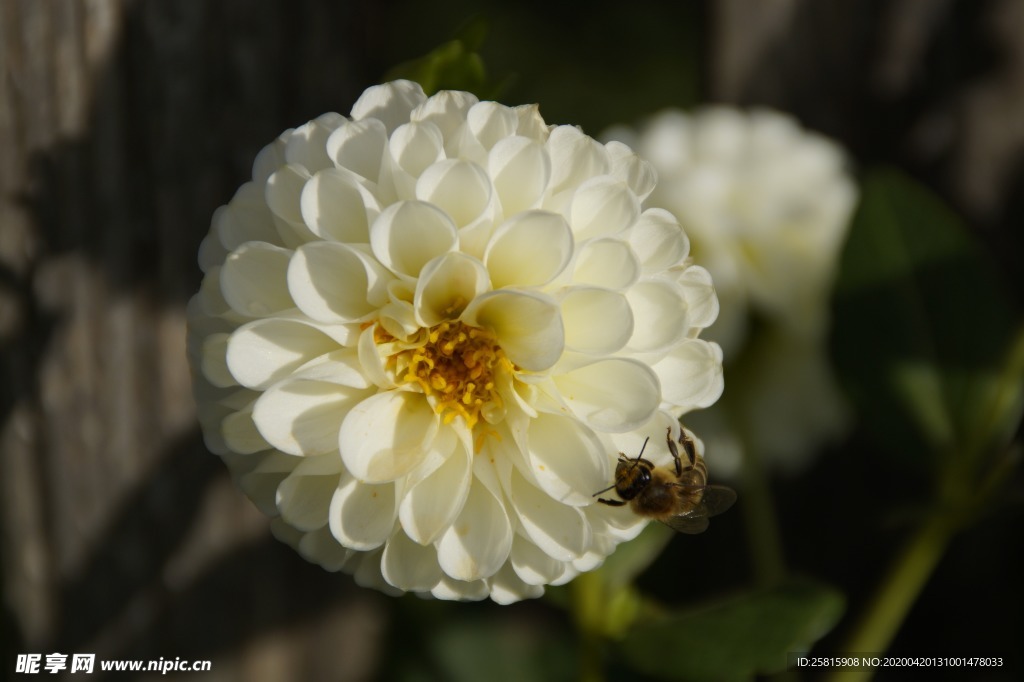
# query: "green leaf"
737 638
921 323
455 65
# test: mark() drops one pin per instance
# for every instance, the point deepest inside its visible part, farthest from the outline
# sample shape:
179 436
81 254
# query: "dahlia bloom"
767 206
426 330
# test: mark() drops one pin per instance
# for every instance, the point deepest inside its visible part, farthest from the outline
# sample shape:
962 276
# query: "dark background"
123 125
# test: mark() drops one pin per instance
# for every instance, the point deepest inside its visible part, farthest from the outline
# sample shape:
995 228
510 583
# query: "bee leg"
675 451
611 503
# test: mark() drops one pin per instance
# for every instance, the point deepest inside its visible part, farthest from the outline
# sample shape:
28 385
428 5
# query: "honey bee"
679 497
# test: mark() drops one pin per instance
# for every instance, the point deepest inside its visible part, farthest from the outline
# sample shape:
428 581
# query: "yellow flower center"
456 369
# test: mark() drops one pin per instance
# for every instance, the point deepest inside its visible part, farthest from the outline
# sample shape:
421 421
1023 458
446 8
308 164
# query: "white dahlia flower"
767 206
425 332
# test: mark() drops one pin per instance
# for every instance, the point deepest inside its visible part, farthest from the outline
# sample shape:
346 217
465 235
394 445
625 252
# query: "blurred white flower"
767 206
425 331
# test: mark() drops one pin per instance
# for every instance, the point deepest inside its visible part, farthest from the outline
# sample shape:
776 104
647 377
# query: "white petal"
269 159
529 249
691 375
531 123
337 367
246 218
627 166
608 263
445 109
260 483
597 321
264 351
359 147
306 145
459 590
391 103
240 433
479 541
254 279
658 241
446 285
336 206
365 567
659 315
575 157
409 566
603 206
320 547
567 459
560 531
433 504
615 394
460 188
701 300
520 169
362 515
303 417
305 498
387 435
408 234
508 588
215 362
532 565
283 190
335 283
414 147
528 326
490 122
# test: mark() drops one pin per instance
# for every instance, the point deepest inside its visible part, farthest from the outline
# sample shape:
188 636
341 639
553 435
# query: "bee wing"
715 500
687 523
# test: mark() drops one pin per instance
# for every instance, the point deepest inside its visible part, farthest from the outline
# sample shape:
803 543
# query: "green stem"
588 603
899 590
762 522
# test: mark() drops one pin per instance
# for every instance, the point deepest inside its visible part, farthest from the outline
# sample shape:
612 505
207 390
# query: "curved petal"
359 147
608 263
335 283
479 541
520 170
264 351
362 515
253 279
567 459
658 241
214 361
529 249
575 157
414 147
701 300
303 417
246 218
560 531
305 499
597 321
602 206
691 375
408 234
387 435
409 566
659 317
533 565
446 285
445 109
338 207
390 103
528 326
615 394
490 122
240 433
320 547
639 175
431 506
507 587
459 188
451 589
306 146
